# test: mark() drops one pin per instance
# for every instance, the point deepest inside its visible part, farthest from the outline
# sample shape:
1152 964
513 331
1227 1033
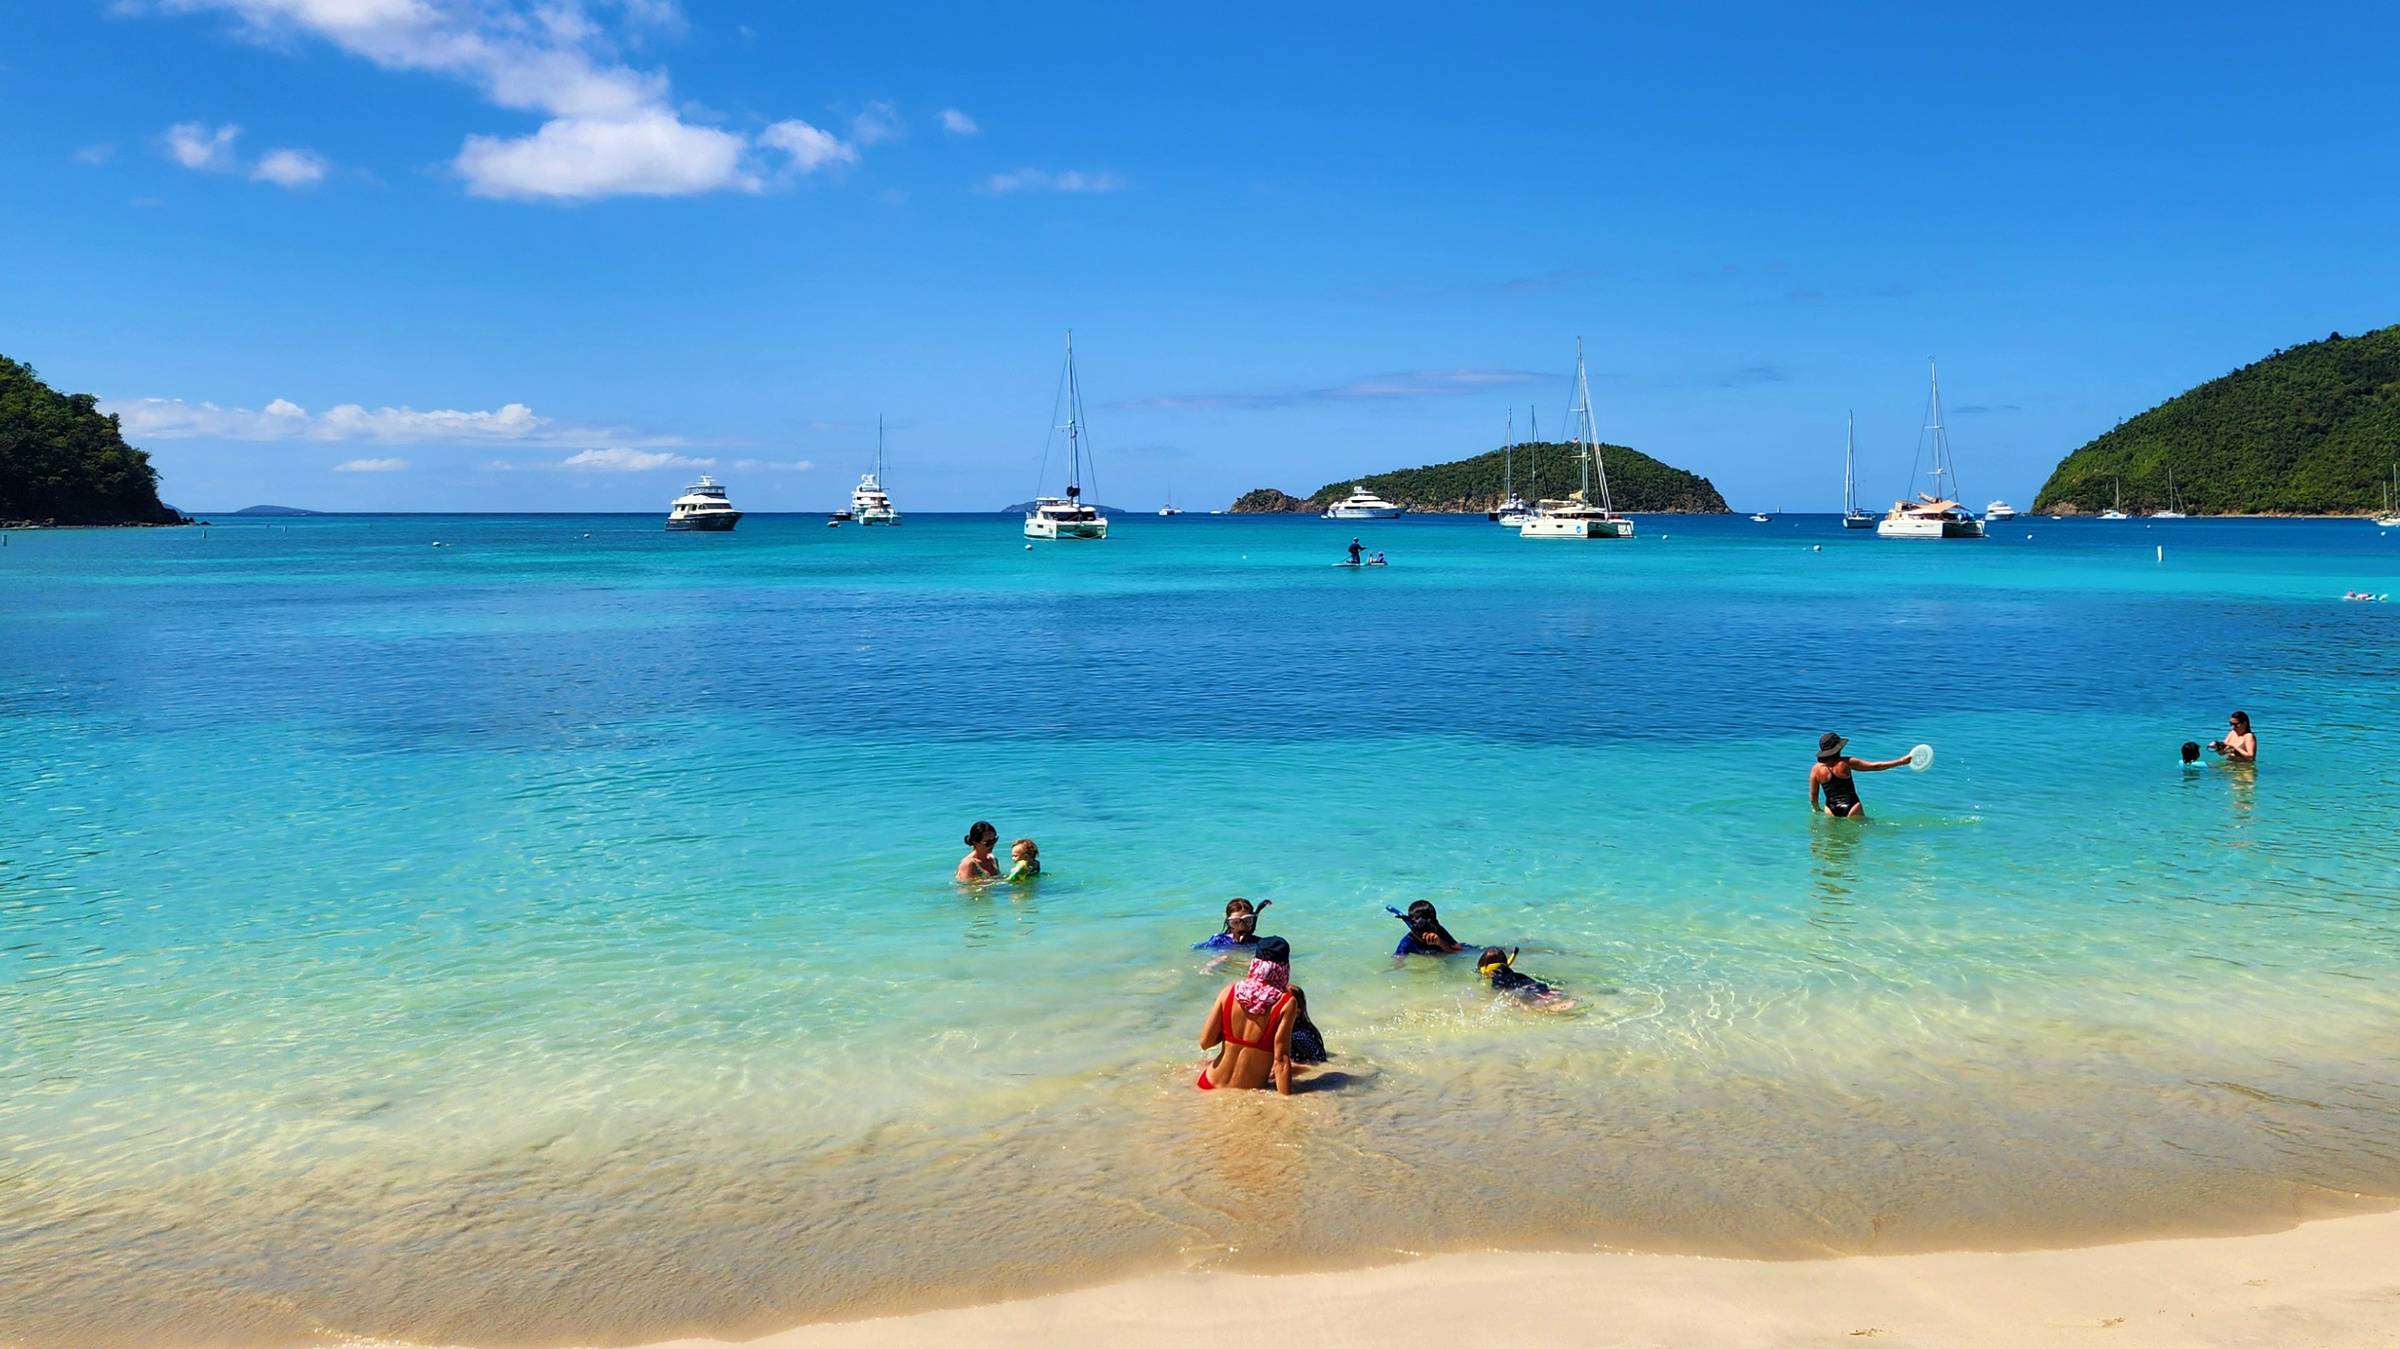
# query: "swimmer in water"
1426 935
1026 859
1241 927
1831 775
1500 968
2240 744
2191 755
978 864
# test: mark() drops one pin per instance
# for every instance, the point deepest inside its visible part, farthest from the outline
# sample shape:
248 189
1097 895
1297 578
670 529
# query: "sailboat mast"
1508 460
1587 434
879 448
1533 432
1074 427
1849 463
1941 447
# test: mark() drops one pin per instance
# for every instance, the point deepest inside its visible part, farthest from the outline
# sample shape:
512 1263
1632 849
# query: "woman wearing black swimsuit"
1832 777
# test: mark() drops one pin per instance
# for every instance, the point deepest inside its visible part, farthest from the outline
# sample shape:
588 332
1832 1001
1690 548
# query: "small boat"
1576 516
2116 512
839 516
1998 510
1933 515
1067 517
703 507
1170 508
1759 517
2389 517
1512 510
1362 504
868 501
2170 513
1852 516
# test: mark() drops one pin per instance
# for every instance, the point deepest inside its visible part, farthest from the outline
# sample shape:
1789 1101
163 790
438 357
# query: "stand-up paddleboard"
1920 758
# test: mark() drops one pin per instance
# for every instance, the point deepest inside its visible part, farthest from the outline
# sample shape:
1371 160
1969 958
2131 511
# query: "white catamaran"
1852 516
869 503
1512 511
2116 512
1067 517
1577 516
1933 515
2390 516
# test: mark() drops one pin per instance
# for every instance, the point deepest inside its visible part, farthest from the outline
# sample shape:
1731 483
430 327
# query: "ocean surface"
550 936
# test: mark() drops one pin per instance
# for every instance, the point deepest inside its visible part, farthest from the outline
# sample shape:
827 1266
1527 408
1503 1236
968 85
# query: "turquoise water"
550 936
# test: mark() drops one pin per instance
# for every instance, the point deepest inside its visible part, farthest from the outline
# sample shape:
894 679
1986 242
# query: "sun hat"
1829 744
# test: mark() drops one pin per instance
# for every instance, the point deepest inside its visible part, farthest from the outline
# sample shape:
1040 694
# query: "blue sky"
451 254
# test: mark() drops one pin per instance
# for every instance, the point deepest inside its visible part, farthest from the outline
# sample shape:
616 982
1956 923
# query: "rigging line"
1051 436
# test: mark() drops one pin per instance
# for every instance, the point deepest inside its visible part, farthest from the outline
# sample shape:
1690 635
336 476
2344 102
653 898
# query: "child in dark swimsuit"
1500 967
1426 935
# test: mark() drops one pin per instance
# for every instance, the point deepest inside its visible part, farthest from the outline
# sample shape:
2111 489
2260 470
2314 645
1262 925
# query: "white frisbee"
1920 758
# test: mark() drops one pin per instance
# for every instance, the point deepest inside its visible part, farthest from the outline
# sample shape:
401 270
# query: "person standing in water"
2240 744
979 864
1831 776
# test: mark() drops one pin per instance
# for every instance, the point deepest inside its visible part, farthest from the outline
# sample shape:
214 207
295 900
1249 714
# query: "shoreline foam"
2327 1282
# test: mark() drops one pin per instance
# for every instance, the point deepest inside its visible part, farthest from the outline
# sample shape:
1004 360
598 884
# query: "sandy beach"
2326 1283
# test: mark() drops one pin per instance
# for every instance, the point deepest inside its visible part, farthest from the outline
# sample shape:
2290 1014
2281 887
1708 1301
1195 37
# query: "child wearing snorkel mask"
1500 967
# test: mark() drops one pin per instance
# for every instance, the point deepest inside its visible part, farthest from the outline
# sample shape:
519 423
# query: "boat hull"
1861 521
1366 512
715 522
1060 531
1928 528
879 518
1575 527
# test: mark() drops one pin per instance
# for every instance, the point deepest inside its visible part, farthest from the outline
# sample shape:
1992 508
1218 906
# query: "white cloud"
289 168
958 123
608 130
879 122
774 465
371 466
652 154
196 145
809 147
620 460
282 419
95 154
1042 180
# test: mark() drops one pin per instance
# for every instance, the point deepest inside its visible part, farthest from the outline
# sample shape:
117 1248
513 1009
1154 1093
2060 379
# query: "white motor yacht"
869 503
703 507
1933 515
1362 504
1067 517
1577 516
1999 510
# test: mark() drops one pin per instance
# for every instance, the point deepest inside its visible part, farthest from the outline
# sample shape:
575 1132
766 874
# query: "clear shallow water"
548 937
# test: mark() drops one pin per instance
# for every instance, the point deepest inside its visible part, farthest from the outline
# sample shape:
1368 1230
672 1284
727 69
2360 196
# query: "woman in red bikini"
1250 1024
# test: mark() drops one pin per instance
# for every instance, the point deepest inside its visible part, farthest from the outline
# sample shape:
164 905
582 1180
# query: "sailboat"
1067 517
2390 518
2170 513
1577 516
1932 515
1512 511
1170 508
2116 512
1852 516
869 503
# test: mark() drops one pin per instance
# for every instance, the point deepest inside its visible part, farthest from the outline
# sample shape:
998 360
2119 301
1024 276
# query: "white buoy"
2162 552
1816 548
1029 548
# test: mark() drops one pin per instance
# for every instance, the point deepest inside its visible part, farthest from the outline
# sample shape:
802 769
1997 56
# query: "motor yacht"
1362 504
1999 510
703 507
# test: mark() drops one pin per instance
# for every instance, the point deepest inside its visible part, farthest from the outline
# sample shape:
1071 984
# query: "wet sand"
2334 1282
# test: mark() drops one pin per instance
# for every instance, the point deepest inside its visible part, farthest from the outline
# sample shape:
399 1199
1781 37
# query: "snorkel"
1493 960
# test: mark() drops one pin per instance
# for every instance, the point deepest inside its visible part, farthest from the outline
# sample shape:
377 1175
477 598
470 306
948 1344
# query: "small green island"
64 462
2310 430
1636 482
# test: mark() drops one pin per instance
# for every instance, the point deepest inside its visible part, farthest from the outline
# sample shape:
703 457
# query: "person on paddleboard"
1831 776
1355 550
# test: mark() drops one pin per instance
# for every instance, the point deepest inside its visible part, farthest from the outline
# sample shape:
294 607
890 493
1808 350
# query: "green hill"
1636 482
62 460
2310 430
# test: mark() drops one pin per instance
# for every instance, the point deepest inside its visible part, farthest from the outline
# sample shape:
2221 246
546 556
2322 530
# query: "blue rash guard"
1224 941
